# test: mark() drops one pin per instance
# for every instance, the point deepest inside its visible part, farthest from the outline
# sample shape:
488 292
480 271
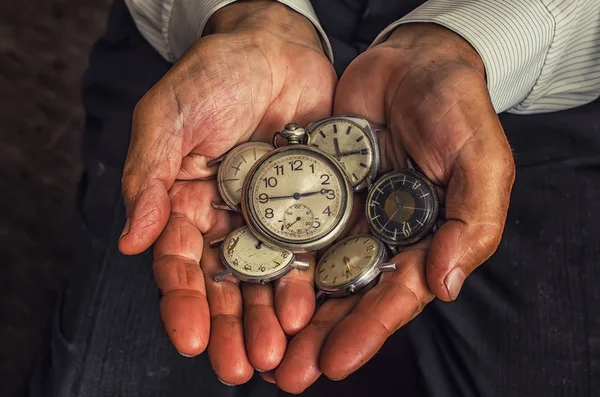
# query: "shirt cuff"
187 19
512 38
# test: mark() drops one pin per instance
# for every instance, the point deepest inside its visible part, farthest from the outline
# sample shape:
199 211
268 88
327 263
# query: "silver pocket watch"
402 207
351 265
233 167
248 259
296 197
352 142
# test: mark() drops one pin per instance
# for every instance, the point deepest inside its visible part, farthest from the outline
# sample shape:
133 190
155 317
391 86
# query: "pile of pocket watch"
298 198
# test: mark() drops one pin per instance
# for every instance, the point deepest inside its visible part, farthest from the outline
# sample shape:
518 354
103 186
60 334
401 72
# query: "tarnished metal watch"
352 142
402 207
351 265
233 168
296 197
249 260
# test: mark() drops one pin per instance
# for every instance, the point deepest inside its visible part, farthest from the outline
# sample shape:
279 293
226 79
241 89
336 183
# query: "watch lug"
393 249
410 164
301 265
219 159
216 243
351 289
222 275
320 294
222 206
387 267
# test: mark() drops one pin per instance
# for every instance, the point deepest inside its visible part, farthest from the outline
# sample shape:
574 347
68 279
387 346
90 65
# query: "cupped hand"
260 67
428 86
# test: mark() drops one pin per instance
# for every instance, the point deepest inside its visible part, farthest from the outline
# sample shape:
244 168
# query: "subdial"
297 218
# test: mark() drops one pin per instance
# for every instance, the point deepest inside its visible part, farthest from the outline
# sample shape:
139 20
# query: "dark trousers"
527 322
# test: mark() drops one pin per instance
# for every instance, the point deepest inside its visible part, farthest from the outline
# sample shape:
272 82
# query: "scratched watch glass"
244 254
347 261
298 198
402 207
235 167
348 143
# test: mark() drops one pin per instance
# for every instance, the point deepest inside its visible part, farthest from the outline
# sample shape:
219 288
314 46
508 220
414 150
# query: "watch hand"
282 197
298 196
337 147
291 224
390 218
322 191
415 208
398 201
347 262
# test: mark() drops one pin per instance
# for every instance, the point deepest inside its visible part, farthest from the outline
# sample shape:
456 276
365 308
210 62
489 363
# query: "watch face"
243 253
402 207
297 195
348 261
235 167
349 144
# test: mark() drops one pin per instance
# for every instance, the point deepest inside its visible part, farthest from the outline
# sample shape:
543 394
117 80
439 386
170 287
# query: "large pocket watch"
402 207
351 265
352 142
249 260
296 197
233 168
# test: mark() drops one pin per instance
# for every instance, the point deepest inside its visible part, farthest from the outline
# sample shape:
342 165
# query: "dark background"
44 47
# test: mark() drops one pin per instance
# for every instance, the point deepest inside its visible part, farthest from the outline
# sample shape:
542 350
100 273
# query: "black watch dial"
402 207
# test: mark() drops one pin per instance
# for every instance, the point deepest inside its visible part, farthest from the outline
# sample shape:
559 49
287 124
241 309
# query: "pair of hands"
260 66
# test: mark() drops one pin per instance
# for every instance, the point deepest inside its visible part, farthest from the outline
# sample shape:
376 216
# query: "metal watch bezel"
266 236
361 281
369 131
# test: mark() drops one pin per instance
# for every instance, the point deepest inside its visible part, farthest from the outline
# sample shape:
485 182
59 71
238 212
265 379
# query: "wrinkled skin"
428 86
244 82
241 83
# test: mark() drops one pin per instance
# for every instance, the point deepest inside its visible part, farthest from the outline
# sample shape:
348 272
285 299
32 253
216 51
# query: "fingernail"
186 355
126 228
454 282
225 383
259 370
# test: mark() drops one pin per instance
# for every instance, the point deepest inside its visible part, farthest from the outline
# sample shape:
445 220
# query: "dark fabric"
352 25
527 323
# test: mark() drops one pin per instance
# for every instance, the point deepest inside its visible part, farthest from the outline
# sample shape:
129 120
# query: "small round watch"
402 207
233 167
351 265
352 142
296 197
248 259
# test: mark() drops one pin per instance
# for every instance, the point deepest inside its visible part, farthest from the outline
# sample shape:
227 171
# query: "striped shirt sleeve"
540 55
172 26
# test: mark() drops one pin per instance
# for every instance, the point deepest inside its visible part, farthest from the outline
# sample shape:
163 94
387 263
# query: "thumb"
477 201
152 163
359 94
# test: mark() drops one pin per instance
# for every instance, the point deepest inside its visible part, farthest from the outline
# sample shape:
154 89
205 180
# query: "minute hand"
322 191
298 196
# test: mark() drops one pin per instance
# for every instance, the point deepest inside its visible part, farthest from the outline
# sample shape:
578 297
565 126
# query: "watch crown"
293 133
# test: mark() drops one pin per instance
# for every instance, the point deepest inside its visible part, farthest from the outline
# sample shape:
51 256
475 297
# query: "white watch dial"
347 261
245 254
297 195
349 144
235 167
